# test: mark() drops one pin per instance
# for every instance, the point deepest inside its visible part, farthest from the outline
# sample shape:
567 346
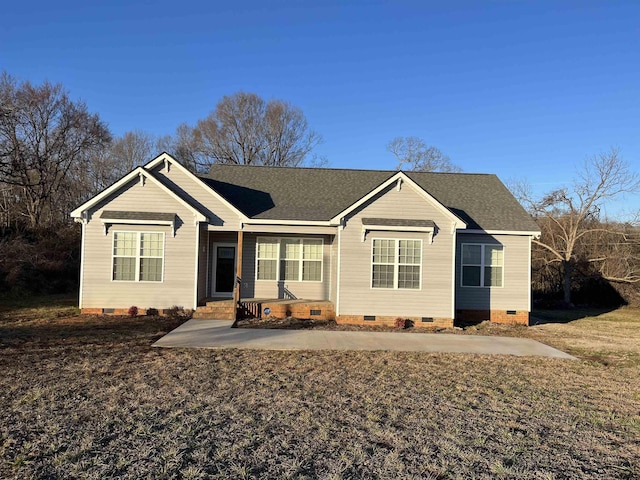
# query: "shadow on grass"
541 317
83 330
18 302
54 320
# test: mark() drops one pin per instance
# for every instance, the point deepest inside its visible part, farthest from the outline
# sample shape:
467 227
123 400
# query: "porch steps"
218 309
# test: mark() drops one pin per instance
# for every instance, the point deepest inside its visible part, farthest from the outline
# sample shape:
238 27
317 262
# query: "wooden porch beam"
238 280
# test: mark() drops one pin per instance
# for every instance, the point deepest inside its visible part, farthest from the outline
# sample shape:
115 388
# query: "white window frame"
280 258
482 264
396 264
137 256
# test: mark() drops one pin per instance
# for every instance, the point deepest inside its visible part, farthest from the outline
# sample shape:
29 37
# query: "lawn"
87 397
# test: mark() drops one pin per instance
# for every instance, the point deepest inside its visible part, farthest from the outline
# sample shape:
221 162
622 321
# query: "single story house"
359 246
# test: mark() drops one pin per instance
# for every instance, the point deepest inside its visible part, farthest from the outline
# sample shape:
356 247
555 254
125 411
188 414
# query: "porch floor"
271 301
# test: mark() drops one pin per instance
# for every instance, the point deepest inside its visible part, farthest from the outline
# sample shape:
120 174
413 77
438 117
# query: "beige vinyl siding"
434 298
99 291
195 194
272 288
514 294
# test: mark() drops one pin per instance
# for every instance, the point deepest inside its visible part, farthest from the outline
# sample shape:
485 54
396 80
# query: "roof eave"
527 233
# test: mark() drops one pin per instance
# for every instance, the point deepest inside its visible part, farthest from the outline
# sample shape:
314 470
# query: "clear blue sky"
521 89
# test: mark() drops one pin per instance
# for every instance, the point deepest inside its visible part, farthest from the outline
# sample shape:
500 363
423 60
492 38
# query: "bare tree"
414 154
187 150
123 154
244 129
132 149
573 232
43 135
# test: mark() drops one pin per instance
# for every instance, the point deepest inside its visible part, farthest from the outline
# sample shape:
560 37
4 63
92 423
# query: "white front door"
223 269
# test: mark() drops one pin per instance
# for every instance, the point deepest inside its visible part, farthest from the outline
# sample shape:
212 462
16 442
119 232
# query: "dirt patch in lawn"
87 397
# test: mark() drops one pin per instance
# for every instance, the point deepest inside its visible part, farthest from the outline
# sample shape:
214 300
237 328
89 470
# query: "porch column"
237 289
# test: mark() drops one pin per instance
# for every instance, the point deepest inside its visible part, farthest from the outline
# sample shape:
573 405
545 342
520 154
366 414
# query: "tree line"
55 154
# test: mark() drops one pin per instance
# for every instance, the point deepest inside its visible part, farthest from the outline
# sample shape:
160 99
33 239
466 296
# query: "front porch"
225 308
295 279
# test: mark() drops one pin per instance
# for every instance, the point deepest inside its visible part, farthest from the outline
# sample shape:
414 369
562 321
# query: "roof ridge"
283 167
339 169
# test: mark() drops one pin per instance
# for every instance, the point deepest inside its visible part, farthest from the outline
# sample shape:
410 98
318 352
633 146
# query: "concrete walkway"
219 334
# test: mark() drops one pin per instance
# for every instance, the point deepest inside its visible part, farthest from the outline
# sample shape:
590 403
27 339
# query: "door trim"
214 266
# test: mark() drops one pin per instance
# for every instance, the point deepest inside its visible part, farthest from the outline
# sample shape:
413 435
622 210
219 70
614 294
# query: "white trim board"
501 232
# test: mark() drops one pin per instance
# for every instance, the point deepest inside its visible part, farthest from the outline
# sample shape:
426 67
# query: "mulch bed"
292 323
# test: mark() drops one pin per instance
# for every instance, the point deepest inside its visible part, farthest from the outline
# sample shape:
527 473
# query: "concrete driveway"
219 334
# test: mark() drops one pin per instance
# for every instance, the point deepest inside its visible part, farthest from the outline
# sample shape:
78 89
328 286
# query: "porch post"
238 280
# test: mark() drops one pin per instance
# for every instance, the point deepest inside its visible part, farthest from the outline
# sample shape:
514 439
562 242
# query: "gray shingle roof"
147 216
397 222
282 193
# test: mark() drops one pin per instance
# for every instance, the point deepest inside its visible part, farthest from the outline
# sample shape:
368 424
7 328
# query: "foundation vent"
369 318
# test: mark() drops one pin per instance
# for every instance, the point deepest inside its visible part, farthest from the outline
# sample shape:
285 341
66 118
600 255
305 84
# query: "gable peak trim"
169 161
143 175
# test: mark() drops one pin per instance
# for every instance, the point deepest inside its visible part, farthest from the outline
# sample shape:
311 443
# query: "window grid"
137 257
396 263
267 259
289 259
311 260
482 265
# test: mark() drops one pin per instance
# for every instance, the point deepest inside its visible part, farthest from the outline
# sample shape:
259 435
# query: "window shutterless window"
289 259
482 265
138 256
396 263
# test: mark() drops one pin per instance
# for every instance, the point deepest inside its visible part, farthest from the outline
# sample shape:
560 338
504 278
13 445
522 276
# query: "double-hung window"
482 265
396 263
289 259
138 256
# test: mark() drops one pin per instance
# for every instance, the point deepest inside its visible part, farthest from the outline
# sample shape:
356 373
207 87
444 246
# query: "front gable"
409 193
138 190
398 211
220 213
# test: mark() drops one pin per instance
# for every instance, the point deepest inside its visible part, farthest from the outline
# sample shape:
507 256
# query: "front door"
224 269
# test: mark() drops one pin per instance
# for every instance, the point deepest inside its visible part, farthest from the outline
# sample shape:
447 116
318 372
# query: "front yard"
86 397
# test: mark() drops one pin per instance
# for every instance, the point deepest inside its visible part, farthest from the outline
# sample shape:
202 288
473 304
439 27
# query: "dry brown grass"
88 398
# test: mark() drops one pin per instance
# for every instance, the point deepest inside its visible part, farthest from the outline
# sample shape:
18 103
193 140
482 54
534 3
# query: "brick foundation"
301 310
390 321
510 317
